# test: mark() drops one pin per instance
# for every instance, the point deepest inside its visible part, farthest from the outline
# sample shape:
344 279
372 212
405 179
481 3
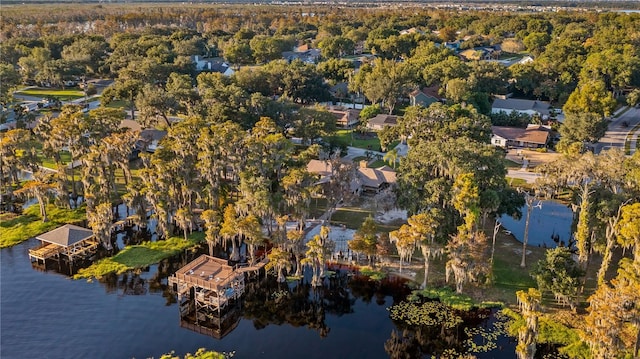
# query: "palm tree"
391 157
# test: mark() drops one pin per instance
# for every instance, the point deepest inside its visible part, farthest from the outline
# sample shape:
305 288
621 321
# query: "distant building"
530 107
346 118
367 179
309 56
422 98
381 121
534 136
375 179
204 64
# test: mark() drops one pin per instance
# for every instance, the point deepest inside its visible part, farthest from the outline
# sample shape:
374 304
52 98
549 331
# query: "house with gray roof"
530 107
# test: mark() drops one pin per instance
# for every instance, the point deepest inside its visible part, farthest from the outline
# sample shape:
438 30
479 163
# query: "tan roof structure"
509 133
346 117
214 282
380 121
534 134
70 241
376 177
322 168
66 235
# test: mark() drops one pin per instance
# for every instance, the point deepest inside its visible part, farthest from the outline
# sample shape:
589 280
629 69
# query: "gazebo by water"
69 241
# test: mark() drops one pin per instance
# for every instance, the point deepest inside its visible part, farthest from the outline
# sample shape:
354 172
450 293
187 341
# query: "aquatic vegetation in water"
428 313
200 354
372 273
452 299
428 326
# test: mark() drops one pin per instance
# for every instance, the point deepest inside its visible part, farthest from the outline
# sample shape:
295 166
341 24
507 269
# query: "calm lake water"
554 218
48 315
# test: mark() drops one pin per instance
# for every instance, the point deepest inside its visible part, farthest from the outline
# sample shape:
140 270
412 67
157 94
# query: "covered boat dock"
69 241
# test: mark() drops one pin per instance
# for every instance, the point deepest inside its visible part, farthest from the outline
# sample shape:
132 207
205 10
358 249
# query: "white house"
534 136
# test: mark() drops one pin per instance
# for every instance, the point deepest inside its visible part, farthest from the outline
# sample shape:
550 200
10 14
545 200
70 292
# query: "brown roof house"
375 179
534 136
371 180
381 121
346 117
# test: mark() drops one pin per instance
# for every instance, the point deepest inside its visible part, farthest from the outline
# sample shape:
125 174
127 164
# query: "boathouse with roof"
68 242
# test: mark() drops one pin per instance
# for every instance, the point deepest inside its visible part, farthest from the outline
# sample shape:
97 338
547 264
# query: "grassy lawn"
351 217
318 207
365 141
63 95
378 164
18 228
512 164
118 104
47 162
140 256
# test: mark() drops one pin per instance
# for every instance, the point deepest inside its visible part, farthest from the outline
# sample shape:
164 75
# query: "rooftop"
66 235
207 271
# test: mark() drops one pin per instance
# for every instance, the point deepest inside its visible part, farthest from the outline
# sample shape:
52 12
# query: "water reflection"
553 220
348 317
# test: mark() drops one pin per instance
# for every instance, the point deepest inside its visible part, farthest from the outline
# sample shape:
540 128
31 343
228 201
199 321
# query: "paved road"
617 132
530 177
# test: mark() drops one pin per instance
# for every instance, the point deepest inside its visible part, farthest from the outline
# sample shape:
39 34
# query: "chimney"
363 163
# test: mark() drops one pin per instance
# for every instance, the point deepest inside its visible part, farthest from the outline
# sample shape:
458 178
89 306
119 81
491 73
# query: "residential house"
530 107
205 64
149 138
534 136
455 45
421 98
221 67
412 30
369 180
309 56
324 169
346 117
373 180
381 121
301 48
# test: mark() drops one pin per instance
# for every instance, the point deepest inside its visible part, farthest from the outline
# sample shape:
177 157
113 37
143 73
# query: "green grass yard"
63 95
140 256
15 229
366 141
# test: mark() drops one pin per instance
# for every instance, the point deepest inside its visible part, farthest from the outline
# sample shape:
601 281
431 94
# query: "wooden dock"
67 242
244 268
209 282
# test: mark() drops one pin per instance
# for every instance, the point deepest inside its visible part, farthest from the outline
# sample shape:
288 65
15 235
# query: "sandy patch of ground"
535 158
392 216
